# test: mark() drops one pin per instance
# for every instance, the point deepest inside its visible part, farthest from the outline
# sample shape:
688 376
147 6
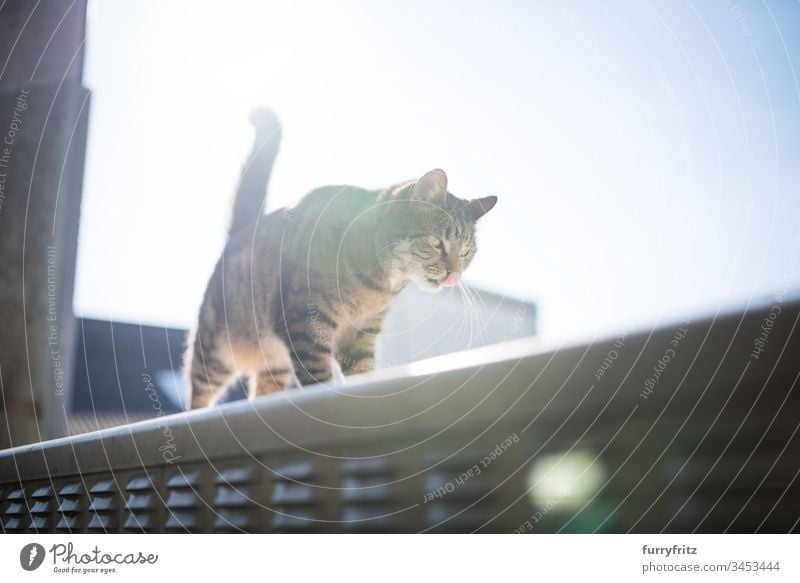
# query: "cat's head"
433 233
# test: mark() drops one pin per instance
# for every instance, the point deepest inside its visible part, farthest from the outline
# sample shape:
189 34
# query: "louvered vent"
236 500
295 501
456 496
70 506
368 504
43 511
15 511
104 506
184 504
141 504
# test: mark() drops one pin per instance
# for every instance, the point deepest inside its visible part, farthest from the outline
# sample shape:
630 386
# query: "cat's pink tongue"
450 280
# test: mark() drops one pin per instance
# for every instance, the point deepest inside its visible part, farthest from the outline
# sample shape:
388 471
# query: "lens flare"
565 479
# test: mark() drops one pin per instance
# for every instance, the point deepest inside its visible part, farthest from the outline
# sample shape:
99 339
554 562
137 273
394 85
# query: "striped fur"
300 287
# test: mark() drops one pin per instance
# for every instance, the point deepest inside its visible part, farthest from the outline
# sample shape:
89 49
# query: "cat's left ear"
432 187
480 206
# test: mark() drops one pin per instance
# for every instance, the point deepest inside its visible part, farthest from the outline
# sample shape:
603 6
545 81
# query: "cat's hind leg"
270 380
276 375
208 373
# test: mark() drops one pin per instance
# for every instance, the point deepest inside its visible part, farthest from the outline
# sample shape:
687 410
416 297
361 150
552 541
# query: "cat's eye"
436 243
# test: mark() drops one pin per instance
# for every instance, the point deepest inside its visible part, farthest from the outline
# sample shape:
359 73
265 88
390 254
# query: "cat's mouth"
449 281
452 279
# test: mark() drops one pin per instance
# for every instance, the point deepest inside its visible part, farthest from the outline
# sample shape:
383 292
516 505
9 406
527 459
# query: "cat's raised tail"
251 192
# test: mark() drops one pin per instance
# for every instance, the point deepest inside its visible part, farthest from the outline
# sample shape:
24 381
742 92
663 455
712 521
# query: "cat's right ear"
432 187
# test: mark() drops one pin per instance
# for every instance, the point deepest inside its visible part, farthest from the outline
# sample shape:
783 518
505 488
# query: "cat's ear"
480 206
432 187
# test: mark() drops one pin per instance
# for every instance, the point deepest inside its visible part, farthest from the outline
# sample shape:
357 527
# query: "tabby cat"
302 286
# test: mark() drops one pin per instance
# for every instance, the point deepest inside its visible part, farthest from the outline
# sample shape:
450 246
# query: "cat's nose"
451 279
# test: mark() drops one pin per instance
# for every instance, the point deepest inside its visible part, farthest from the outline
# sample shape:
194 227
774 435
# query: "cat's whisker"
479 321
480 309
464 315
470 308
467 310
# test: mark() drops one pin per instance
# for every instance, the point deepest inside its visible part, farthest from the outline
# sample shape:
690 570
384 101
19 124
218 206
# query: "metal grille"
714 447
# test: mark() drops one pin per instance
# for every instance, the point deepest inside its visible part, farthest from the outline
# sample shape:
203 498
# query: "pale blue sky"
645 154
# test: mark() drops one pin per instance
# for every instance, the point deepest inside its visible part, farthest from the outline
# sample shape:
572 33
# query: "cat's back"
321 221
323 210
335 203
